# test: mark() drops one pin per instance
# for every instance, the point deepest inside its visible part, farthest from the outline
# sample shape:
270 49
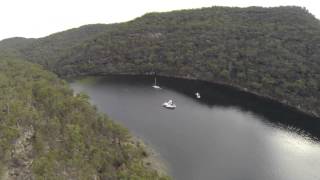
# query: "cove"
227 134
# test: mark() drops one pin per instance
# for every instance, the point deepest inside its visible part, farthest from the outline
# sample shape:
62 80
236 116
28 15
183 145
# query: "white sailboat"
155 84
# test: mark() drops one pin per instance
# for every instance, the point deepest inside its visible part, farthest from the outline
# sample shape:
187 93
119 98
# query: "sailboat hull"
156 87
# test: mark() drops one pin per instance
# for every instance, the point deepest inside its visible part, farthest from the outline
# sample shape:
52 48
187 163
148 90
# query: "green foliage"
71 140
274 52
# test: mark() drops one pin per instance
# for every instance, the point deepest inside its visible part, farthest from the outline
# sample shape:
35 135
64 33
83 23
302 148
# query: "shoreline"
152 159
234 86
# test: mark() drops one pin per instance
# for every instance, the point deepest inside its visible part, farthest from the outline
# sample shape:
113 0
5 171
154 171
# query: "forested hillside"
274 52
49 133
45 50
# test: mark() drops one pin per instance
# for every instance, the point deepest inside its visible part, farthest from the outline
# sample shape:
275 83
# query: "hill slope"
47 132
273 52
44 50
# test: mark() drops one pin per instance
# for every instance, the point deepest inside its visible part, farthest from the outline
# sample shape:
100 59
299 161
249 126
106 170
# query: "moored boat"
169 105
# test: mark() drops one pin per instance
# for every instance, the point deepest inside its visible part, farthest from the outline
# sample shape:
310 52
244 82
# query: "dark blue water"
226 135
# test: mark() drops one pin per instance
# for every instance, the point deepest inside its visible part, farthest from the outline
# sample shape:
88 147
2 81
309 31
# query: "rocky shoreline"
152 158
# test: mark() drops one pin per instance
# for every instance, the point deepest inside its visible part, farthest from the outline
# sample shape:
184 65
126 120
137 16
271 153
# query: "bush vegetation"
273 52
47 132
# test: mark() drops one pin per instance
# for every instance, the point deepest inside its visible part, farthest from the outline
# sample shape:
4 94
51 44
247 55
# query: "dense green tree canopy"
48 132
274 52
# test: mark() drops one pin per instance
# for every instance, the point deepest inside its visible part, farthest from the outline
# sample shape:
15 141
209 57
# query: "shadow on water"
227 134
221 95
271 111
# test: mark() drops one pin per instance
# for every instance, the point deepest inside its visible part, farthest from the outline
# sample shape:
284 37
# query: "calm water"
227 135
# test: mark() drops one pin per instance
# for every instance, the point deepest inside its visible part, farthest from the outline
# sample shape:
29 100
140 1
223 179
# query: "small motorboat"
169 105
198 95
